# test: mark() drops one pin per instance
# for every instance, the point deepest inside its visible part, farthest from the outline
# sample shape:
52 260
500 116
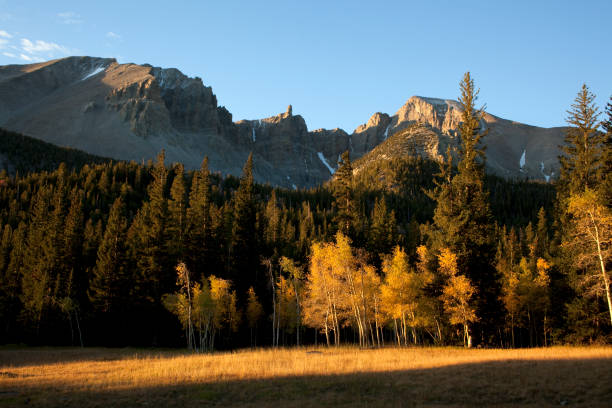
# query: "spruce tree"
71 264
177 213
462 221
382 234
273 222
39 263
153 273
581 161
244 251
344 196
109 285
198 226
11 285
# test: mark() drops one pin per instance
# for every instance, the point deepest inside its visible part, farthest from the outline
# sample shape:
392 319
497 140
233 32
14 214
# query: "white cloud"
4 34
3 43
40 46
9 54
113 36
26 57
70 17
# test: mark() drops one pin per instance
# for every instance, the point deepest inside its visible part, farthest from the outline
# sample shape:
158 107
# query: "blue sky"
338 62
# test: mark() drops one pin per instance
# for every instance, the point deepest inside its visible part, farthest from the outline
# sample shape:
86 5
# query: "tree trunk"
76 317
602 266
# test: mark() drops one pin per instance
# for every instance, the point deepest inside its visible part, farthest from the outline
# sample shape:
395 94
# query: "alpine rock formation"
131 112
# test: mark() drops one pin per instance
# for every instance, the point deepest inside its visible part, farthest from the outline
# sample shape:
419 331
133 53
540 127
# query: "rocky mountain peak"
441 114
131 111
375 120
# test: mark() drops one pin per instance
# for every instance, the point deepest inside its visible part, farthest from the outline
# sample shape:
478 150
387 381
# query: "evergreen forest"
95 252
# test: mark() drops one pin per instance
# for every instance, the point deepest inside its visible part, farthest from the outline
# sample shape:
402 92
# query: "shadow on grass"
582 382
18 356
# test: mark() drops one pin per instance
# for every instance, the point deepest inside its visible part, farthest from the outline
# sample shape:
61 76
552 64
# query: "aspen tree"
254 311
457 295
591 238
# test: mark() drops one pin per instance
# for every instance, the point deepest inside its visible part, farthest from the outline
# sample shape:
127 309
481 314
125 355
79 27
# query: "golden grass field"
306 377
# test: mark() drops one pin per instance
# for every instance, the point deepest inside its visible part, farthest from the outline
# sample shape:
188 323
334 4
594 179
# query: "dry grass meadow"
390 377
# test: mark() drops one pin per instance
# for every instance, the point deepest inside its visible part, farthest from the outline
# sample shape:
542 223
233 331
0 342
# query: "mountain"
131 112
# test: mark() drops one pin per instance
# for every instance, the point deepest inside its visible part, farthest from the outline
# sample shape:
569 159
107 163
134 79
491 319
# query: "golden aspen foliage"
341 290
457 294
254 310
402 293
591 242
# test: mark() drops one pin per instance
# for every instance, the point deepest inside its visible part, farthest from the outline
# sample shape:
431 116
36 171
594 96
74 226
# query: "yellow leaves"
203 304
458 291
588 201
525 289
447 262
341 288
456 296
182 275
226 311
177 304
254 310
422 253
542 266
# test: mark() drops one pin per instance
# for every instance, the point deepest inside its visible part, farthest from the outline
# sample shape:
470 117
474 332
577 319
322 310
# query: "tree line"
121 253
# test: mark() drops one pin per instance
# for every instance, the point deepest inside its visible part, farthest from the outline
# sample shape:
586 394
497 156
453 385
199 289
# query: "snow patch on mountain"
322 158
546 176
96 71
387 132
522 159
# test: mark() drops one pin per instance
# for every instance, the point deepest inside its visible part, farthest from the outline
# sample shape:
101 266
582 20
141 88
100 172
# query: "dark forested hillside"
88 254
24 154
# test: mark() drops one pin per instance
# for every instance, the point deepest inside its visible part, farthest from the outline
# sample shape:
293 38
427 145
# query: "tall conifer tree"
177 213
199 228
462 218
244 237
108 287
344 195
581 161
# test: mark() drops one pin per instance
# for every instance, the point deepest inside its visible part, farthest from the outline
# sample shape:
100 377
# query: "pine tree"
153 273
581 161
72 249
382 232
462 218
344 196
108 288
39 262
244 236
582 173
273 221
199 224
177 215
152 260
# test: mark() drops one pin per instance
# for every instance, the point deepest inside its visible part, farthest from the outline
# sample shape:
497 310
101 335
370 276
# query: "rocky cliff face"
129 111
514 150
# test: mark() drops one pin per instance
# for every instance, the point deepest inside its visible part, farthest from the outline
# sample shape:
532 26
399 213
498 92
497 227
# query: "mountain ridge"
131 112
